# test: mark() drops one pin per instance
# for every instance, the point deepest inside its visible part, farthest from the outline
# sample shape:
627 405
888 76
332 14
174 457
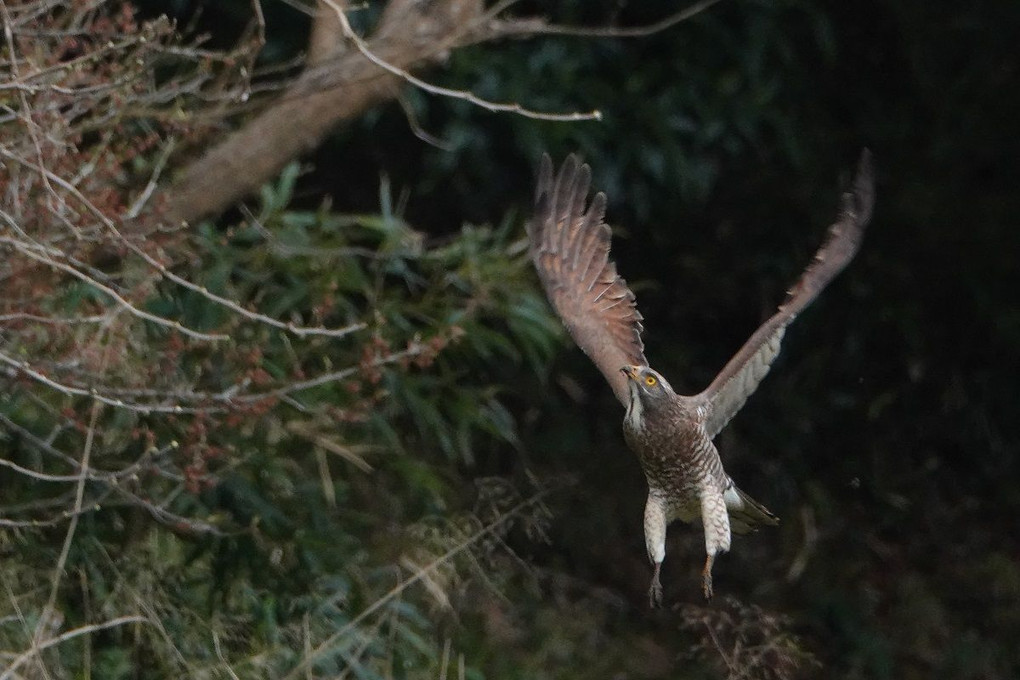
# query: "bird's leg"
706 576
655 589
716 521
655 541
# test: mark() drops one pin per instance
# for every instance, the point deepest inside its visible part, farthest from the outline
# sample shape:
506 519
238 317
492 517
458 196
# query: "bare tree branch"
309 109
410 36
327 39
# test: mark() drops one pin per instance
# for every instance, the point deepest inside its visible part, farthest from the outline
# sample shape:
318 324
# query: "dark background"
885 437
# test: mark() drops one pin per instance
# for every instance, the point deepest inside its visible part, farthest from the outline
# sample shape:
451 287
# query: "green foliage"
260 531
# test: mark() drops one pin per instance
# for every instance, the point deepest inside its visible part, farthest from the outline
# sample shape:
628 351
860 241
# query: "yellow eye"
650 380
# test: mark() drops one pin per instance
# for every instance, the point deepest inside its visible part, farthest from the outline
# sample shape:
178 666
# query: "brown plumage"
670 433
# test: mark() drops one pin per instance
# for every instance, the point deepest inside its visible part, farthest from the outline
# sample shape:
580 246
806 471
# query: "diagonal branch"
327 34
410 35
58 570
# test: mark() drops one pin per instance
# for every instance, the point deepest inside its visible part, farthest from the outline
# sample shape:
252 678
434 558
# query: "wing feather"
584 253
740 377
569 245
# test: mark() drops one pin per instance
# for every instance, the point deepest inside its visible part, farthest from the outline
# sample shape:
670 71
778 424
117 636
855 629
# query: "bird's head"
647 386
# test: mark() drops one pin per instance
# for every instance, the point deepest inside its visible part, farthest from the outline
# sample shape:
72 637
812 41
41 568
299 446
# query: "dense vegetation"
332 429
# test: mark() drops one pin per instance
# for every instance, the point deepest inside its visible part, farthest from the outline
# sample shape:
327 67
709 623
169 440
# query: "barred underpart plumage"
671 434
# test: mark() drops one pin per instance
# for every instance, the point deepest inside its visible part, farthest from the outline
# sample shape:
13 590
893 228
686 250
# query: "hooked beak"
630 371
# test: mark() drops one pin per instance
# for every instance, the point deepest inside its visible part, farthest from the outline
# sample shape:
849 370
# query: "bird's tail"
746 514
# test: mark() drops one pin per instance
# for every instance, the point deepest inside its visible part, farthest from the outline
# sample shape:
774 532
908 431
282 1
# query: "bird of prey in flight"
670 433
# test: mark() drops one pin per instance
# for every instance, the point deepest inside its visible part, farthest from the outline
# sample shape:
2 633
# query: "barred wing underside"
740 377
569 245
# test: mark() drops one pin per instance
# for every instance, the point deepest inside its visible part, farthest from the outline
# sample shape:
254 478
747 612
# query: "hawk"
671 434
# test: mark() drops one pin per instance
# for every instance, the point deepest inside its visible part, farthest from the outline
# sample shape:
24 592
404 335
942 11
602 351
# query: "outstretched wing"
569 245
740 377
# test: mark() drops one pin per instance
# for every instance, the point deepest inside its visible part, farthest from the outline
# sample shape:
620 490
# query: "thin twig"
465 95
79 494
157 170
54 320
526 28
418 130
69 635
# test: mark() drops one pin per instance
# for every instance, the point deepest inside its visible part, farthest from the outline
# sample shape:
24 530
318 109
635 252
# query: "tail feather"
746 514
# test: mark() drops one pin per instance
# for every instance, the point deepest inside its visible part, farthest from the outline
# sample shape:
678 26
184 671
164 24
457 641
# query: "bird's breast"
674 451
